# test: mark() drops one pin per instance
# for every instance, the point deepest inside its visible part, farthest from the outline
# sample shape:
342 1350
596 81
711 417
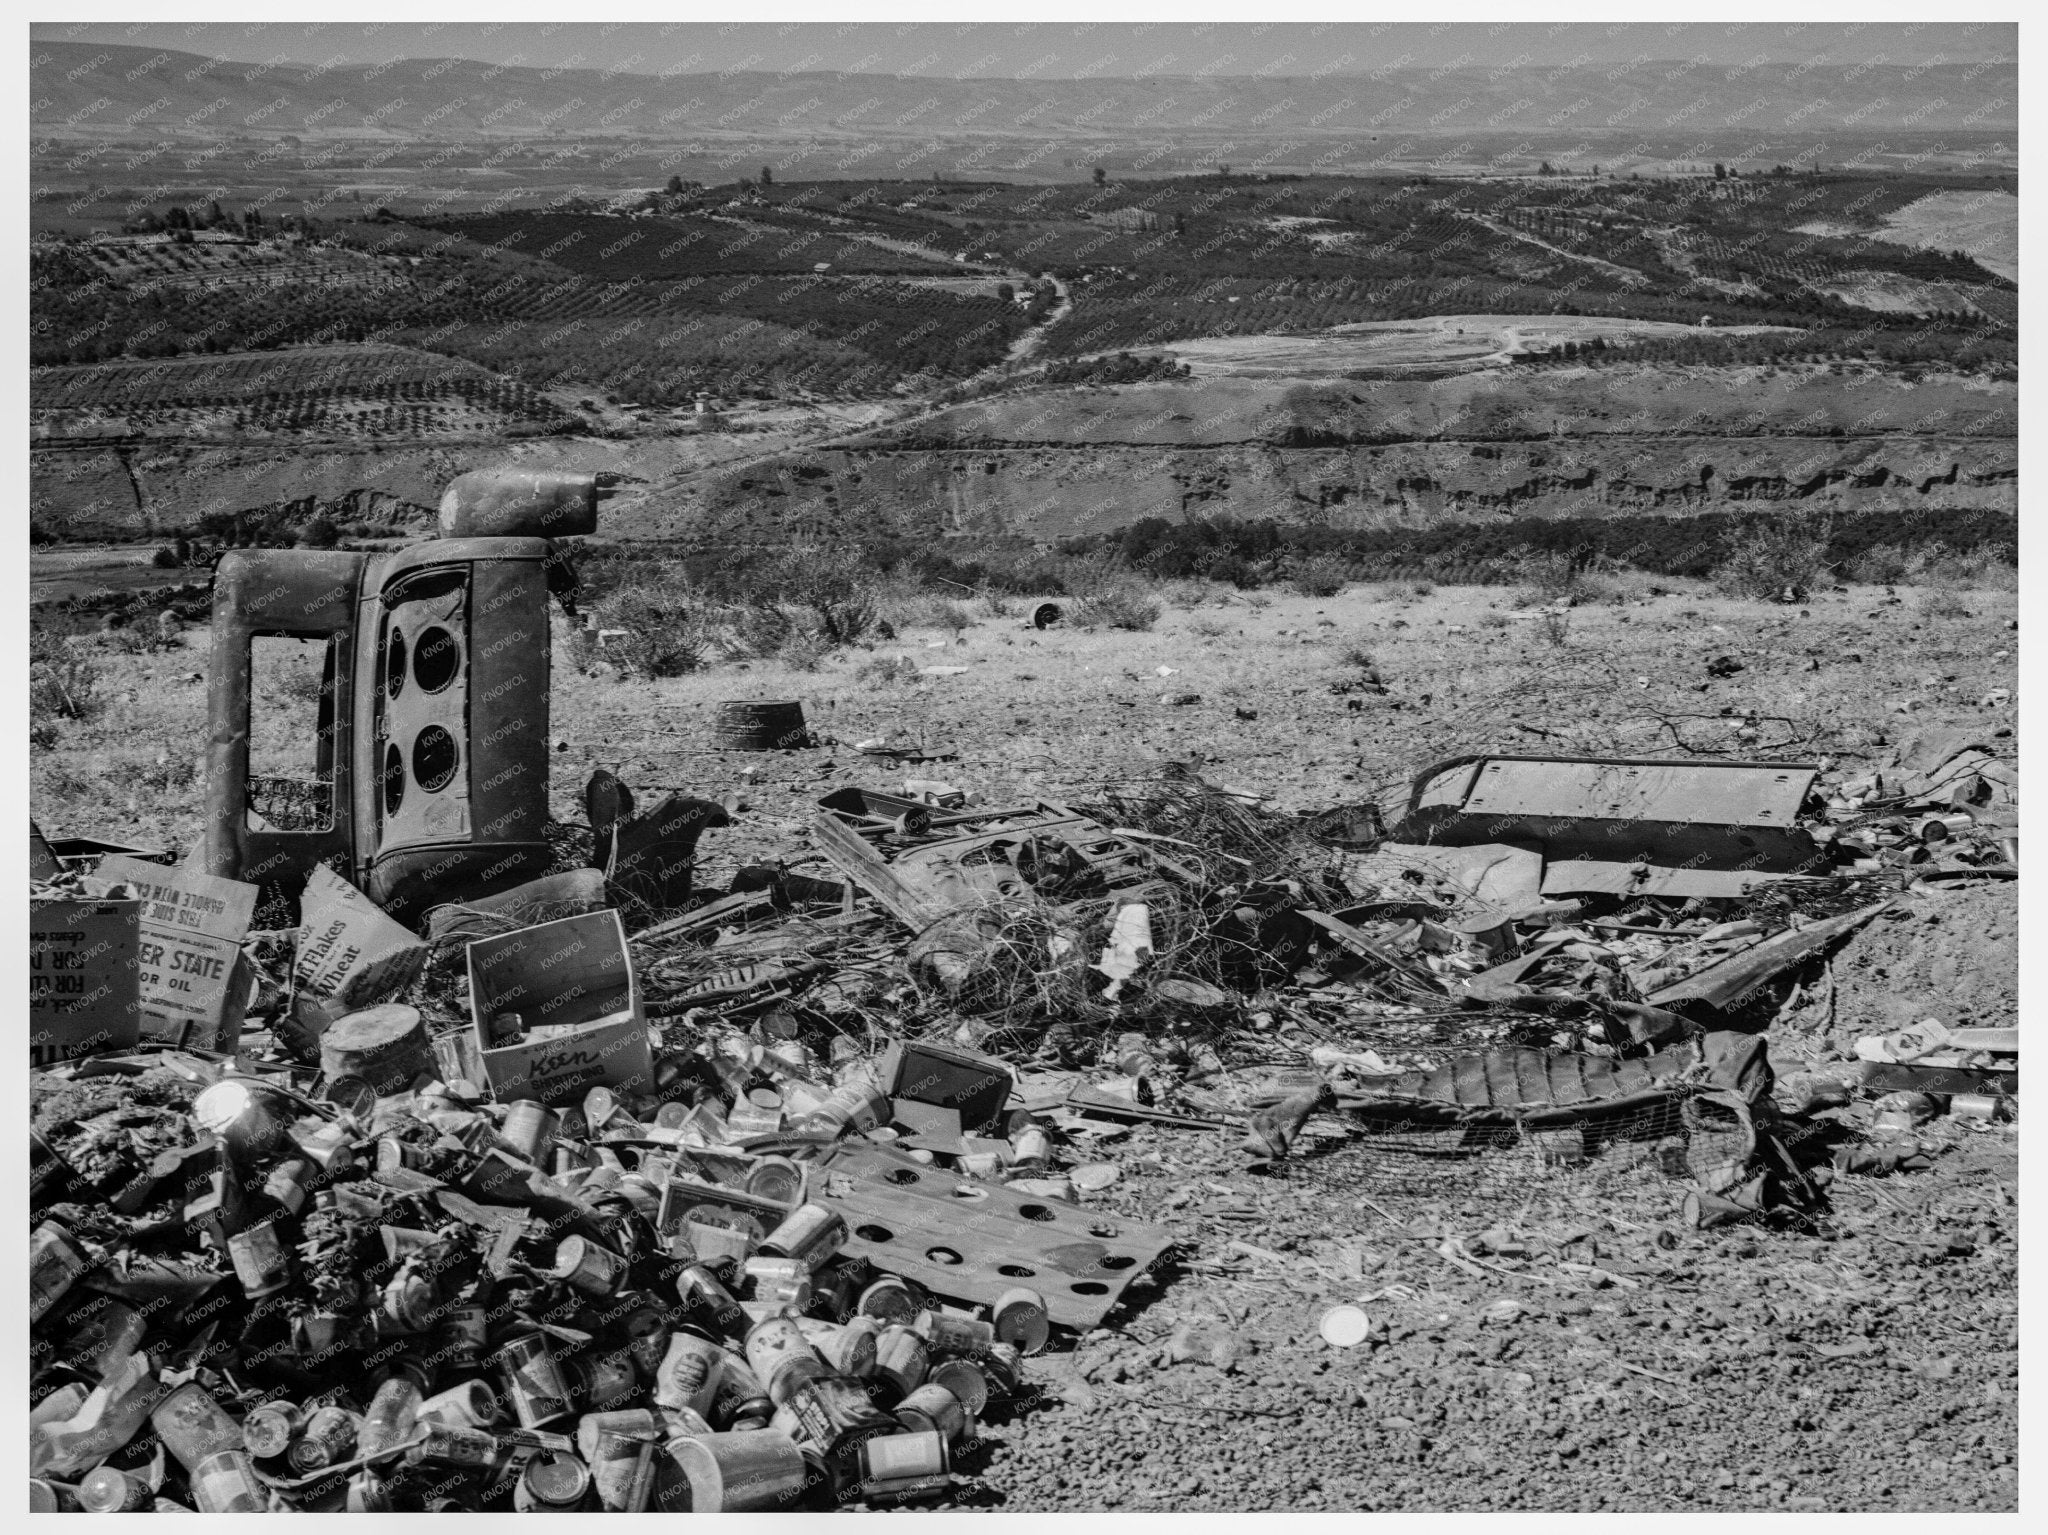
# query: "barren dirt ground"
1593 1353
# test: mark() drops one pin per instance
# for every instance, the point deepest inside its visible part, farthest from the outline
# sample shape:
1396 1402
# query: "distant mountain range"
100 90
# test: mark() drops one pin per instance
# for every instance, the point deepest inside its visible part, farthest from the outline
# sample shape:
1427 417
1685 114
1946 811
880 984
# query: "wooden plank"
864 866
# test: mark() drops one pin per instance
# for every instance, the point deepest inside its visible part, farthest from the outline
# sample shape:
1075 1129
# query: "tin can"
832 1415
552 1483
741 1473
409 1302
268 1429
849 1349
965 1380
1030 1148
749 1120
227 1483
600 1382
622 1470
534 1382
901 1359
589 1269
1903 1111
472 1404
329 1149
689 1373
529 1130
986 1166
932 1406
741 1400
900 1491
956 1337
193 1426
889 1300
647 1333
463 1333
810 1234
1020 1318
631 1422
711 1305
895 1456
445 1444
262 1263
252 1119
1982 1107
328 1439
55 1263
104 1490
289 1182
46 1497
776 1350
781 1282
867 1105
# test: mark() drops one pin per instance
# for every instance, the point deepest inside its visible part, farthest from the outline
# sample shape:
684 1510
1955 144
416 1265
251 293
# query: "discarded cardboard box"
194 981
575 979
351 956
84 992
973 1085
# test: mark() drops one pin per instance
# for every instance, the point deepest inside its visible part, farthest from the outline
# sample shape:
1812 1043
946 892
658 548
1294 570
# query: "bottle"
390 1417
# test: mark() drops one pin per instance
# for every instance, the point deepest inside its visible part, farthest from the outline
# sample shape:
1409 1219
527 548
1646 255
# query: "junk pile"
424 1154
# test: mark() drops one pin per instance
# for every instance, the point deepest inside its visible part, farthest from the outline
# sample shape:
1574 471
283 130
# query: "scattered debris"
613 1192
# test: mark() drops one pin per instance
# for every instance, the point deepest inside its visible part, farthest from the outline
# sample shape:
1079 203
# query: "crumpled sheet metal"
1538 1088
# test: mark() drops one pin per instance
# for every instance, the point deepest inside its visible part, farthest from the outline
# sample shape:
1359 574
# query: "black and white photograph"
972 761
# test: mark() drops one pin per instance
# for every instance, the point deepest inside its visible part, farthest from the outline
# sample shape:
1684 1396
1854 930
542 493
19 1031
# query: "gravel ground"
1871 1368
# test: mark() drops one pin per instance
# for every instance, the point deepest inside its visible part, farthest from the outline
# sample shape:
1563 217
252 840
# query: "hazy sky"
1051 50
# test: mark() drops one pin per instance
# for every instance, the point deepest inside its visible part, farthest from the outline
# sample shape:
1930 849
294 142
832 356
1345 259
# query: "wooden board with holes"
971 1241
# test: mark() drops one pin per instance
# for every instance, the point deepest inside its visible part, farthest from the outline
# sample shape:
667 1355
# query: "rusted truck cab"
431 764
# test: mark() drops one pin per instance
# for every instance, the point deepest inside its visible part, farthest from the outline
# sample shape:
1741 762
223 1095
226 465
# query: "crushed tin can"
262 1262
445 1444
588 1268
810 1234
328 1439
534 1381
782 1283
832 1414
